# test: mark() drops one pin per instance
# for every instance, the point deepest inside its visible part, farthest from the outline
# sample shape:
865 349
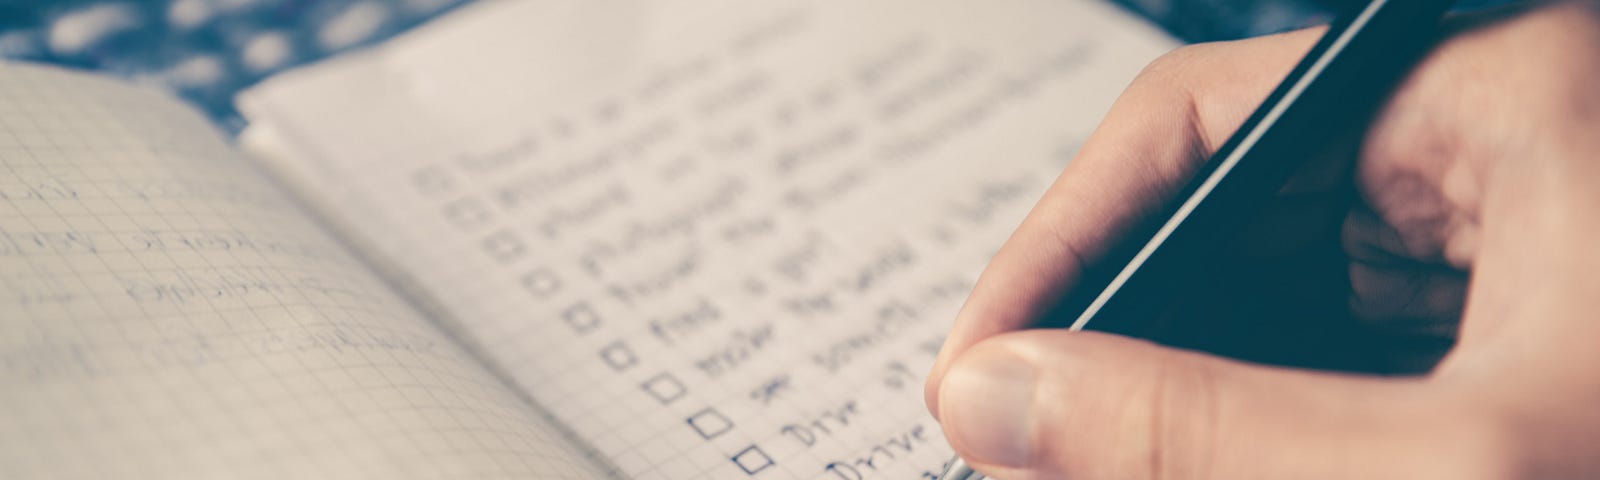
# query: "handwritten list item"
165 312
717 240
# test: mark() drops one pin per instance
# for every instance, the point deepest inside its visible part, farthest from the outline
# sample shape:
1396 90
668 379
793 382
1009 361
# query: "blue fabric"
206 50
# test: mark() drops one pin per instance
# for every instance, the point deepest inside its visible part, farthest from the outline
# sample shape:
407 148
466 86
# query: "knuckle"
1182 422
1171 68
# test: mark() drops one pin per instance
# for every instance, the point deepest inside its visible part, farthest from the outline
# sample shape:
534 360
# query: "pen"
1339 83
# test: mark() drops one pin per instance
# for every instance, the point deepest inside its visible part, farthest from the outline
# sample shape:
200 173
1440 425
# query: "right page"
715 239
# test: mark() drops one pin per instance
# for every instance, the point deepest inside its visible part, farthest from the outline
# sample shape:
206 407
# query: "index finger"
1156 134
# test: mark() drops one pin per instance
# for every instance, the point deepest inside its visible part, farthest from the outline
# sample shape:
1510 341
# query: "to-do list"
712 240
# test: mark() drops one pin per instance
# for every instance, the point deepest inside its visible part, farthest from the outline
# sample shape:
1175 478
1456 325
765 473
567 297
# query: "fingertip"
969 327
1018 404
948 353
930 391
988 397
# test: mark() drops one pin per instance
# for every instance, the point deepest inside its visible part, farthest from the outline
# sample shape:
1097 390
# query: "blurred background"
206 50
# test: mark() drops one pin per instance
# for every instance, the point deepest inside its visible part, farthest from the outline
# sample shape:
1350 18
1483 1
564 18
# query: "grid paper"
713 240
165 312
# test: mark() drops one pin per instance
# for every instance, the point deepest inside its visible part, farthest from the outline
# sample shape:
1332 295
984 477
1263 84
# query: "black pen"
1337 86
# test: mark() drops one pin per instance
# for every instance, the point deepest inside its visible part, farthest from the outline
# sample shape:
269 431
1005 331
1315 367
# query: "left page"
166 312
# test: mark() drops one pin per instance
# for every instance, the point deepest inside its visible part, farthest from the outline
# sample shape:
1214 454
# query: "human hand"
1475 214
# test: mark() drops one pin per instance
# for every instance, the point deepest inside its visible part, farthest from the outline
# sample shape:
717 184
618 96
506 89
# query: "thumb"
1056 404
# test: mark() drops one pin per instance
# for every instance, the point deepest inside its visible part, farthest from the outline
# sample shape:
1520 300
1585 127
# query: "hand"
1475 221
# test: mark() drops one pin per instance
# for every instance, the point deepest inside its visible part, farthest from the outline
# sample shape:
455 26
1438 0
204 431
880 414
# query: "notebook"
565 239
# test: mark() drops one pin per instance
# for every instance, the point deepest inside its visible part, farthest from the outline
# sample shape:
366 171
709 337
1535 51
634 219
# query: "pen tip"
958 470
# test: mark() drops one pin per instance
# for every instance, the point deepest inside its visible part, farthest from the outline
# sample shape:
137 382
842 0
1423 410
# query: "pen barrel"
1323 104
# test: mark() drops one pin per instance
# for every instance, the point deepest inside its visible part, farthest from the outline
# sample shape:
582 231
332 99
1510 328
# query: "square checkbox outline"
675 389
619 356
738 459
503 246
581 317
709 423
540 282
466 213
432 180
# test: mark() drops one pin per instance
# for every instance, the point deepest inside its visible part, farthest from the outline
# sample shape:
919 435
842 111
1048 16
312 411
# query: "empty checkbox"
541 283
504 246
466 213
581 317
752 460
619 356
432 180
665 388
709 423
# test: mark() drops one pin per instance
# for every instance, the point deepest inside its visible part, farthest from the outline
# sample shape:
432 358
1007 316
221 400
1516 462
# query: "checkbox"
665 388
709 423
541 283
504 246
563 128
432 180
608 112
752 460
581 318
466 213
619 356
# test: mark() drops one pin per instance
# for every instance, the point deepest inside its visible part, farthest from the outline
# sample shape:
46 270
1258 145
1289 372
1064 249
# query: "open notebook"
562 239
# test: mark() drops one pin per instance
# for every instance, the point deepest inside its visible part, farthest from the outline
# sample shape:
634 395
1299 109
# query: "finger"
1533 292
1053 404
1155 135
1394 292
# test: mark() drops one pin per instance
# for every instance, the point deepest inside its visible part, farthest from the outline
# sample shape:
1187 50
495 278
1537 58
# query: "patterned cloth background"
206 50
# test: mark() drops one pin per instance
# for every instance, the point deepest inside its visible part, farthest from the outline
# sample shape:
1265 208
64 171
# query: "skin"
1470 214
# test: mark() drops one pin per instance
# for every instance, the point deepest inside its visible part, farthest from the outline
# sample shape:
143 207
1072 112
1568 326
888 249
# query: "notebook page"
166 313
716 240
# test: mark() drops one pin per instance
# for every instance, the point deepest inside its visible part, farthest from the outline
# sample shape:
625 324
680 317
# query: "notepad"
574 239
